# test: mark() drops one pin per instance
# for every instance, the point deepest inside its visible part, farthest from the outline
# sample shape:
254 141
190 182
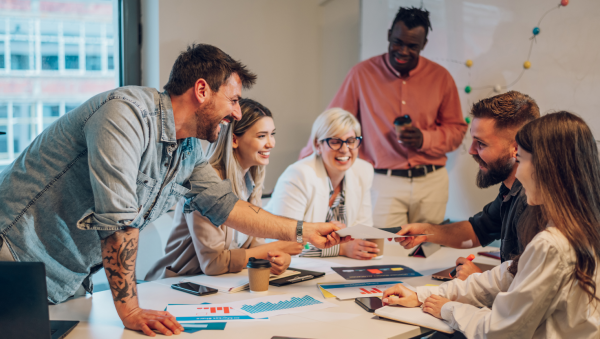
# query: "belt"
415 172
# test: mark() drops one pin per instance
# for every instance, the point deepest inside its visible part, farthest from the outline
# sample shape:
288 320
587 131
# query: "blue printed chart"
280 304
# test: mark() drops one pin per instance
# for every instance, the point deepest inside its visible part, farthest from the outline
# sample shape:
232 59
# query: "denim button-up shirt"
112 162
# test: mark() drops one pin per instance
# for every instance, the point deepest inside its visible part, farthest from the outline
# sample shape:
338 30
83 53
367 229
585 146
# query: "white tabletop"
98 317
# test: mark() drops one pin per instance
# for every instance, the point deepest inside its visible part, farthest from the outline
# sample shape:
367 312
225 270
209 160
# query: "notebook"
232 282
303 275
414 316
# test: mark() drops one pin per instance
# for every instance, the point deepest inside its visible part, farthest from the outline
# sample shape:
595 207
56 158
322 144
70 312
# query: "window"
53 57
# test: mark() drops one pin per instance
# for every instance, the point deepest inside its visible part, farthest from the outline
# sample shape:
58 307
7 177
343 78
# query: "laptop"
24 303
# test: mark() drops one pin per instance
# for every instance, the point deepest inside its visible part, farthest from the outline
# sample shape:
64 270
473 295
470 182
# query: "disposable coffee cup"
401 122
259 271
379 243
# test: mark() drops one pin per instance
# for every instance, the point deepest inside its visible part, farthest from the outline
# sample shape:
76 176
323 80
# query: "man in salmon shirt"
410 183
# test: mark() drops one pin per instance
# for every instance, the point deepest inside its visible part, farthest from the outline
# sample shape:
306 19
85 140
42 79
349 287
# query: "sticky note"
374 271
397 269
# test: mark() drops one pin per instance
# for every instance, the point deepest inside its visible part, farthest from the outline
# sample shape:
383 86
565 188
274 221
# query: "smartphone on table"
194 289
370 304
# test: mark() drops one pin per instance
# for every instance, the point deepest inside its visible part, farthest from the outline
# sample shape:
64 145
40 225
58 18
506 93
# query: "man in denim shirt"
496 121
78 197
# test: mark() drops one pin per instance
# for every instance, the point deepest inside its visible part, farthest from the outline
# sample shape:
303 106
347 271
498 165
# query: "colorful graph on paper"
357 290
208 313
281 304
375 272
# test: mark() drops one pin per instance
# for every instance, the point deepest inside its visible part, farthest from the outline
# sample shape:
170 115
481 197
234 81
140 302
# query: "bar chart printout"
208 313
361 289
372 291
281 304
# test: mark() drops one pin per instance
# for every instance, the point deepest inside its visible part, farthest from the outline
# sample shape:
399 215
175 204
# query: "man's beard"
206 124
497 171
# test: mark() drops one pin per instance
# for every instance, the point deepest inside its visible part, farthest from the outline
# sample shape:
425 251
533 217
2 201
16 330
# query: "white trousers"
398 201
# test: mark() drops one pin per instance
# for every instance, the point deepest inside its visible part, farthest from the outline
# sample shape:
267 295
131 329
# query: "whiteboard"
564 73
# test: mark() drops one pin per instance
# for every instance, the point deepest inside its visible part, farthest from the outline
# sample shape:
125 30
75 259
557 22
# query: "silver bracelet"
299 231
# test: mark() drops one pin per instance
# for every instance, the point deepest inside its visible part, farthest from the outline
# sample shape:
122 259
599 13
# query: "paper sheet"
281 304
364 232
208 313
345 291
324 292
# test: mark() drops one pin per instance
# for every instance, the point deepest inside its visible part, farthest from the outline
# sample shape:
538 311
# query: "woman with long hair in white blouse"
551 290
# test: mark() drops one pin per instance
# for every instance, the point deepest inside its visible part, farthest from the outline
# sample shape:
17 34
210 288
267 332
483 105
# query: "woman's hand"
359 249
433 305
289 247
280 261
400 295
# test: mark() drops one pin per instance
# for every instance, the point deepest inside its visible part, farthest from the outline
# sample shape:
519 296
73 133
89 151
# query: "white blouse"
539 302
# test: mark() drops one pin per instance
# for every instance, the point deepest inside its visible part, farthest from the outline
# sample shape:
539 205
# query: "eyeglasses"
335 143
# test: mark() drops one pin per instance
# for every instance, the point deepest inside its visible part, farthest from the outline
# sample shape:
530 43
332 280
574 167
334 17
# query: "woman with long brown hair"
551 290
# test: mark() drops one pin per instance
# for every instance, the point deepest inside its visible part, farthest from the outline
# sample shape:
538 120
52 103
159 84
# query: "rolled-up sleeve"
450 127
210 195
115 136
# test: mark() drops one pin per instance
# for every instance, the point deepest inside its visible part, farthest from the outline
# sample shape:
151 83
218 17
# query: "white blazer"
302 192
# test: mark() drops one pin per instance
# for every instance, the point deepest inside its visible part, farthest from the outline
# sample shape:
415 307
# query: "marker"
453 273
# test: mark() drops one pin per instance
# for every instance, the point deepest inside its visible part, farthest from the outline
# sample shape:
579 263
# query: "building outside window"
54 55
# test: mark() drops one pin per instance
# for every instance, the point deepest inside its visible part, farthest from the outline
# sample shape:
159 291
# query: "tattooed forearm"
119 253
256 209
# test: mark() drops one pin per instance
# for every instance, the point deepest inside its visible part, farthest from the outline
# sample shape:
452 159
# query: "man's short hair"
509 110
206 62
413 17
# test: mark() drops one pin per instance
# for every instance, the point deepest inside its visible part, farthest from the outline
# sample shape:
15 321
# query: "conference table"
98 317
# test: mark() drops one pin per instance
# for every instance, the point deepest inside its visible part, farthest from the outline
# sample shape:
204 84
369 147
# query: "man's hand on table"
409 229
149 320
322 234
411 136
465 268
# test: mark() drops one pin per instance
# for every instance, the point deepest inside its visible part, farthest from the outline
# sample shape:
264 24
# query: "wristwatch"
299 231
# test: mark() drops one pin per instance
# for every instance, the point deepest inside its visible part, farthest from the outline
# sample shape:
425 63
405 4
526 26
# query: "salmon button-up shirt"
377 94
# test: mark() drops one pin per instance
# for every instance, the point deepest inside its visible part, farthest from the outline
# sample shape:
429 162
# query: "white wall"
565 71
301 51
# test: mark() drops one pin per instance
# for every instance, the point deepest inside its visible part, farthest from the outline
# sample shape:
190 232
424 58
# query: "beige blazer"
302 192
196 246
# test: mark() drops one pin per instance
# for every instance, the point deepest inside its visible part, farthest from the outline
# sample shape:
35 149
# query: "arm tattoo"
255 208
120 251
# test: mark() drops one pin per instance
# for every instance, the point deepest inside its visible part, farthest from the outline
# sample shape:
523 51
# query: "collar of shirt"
331 190
514 190
167 119
415 71
249 185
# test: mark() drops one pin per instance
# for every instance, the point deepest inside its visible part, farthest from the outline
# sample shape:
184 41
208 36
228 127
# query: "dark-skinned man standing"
410 183
78 197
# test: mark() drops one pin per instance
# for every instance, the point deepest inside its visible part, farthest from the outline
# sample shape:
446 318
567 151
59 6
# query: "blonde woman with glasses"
330 185
195 245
